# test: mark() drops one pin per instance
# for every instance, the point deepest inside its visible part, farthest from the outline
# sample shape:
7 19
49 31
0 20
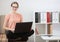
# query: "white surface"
50 38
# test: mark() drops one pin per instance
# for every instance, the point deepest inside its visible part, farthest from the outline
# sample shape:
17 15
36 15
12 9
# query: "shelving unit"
45 23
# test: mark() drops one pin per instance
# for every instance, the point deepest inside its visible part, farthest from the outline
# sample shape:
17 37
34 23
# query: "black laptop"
23 27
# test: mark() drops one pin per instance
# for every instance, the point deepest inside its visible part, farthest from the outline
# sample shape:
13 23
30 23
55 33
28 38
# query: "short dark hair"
15 3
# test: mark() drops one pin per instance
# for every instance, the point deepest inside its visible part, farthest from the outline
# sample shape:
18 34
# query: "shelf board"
55 23
47 23
40 23
43 34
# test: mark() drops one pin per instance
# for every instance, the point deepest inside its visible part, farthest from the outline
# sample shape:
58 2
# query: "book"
55 17
36 17
43 17
49 28
49 17
59 16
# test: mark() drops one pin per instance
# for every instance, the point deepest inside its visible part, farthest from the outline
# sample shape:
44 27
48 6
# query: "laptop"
23 27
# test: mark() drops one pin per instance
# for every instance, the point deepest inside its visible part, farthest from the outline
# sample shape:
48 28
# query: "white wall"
27 7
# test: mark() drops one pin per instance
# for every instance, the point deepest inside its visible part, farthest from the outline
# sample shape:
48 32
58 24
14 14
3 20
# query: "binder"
49 17
36 17
43 17
55 17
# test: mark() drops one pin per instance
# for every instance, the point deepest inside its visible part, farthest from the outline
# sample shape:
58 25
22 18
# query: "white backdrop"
27 7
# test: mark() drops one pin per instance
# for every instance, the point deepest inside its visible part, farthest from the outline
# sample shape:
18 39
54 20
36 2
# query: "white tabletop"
50 38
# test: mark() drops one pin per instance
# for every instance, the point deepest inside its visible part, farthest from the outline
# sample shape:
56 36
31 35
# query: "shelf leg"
58 40
47 40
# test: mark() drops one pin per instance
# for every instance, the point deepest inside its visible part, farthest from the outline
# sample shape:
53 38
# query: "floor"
31 39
